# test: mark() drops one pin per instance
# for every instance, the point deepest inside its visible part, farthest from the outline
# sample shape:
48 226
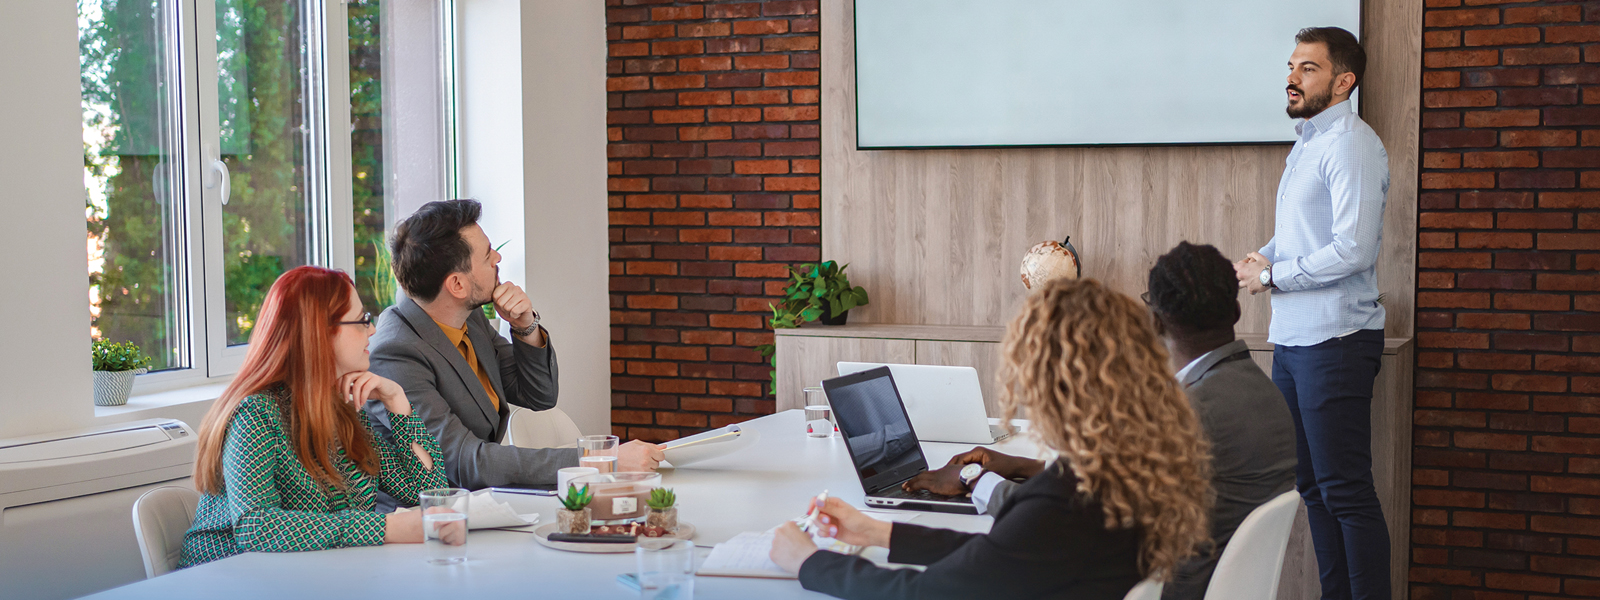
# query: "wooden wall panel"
937 235
806 361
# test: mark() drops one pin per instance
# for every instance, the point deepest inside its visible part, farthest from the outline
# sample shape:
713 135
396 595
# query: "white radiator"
66 504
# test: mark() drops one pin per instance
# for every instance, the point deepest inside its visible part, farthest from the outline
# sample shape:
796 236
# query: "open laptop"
882 443
945 403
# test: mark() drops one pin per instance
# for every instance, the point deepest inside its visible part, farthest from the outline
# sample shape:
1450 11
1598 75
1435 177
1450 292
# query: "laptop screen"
875 427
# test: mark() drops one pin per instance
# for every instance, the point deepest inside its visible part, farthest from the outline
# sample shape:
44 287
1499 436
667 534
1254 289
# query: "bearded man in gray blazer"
1194 296
461 376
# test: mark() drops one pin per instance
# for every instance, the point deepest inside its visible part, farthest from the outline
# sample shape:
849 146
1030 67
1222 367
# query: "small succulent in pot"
574 514
663 509
115 365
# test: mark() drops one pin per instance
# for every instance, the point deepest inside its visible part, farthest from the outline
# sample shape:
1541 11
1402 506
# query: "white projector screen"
956 73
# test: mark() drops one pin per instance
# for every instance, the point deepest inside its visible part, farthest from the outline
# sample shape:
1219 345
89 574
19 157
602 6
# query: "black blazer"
1049 541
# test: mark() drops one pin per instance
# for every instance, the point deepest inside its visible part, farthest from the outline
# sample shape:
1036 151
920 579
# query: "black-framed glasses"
366 320
1146 298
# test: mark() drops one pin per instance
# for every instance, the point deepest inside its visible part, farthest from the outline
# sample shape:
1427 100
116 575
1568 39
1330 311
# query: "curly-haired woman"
1127 496
287 460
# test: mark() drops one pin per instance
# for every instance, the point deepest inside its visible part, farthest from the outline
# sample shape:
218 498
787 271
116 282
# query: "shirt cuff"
984 489
407 429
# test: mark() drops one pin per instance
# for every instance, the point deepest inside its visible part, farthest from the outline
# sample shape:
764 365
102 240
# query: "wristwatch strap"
526 331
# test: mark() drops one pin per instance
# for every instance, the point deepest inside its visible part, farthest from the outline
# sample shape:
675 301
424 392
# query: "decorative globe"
1050 260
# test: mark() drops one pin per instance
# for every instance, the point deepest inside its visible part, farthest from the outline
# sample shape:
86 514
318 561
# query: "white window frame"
199 209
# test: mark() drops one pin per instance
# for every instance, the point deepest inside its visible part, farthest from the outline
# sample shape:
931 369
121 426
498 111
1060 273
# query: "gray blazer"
1252 452
411 349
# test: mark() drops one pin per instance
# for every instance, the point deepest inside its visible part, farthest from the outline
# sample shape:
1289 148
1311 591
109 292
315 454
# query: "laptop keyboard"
896 492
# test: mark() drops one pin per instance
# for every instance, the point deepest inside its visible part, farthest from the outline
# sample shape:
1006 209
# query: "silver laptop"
883 444
945 403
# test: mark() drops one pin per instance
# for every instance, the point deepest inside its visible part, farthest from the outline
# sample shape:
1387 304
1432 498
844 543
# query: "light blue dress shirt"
1324 248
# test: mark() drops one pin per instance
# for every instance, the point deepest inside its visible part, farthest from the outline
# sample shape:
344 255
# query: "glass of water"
817 408
666 568
444 525
599 451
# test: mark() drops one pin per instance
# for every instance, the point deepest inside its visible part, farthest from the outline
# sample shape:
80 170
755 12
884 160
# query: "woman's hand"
406 528
359 386
843 522
791 547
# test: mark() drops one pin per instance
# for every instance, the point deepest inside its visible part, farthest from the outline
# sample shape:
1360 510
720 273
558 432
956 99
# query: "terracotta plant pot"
666 519
573 521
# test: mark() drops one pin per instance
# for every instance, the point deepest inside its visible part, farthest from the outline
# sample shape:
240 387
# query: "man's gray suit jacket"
1252 452
410 349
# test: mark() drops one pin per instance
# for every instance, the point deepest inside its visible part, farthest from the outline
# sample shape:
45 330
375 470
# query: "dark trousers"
1329 390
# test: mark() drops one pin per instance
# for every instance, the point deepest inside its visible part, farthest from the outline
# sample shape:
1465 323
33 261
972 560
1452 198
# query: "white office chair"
540 429
1148 589
160 517
1251 564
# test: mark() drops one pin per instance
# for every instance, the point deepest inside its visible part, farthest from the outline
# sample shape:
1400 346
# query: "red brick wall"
1506 492
714 151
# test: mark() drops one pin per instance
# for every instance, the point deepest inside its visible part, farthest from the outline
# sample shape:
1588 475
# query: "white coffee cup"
568 474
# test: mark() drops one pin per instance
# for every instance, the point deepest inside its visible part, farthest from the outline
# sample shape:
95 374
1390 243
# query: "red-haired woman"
287 459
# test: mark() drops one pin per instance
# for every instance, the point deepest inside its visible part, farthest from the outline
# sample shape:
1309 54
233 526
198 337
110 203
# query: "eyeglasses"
366 320
1146 298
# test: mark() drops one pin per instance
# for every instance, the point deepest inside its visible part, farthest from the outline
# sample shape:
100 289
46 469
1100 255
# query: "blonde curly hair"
1086 365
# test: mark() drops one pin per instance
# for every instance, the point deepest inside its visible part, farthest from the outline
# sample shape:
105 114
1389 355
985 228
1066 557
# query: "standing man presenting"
1327 324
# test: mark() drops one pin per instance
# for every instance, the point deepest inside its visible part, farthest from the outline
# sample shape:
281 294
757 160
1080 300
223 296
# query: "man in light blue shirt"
1327 323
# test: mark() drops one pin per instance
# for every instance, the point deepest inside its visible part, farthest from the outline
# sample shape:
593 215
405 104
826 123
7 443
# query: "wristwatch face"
971 472
1266 276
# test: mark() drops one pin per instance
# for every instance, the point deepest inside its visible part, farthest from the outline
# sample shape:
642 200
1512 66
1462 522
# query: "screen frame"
855 98
882 479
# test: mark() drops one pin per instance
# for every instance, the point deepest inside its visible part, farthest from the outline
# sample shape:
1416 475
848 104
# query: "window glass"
132 132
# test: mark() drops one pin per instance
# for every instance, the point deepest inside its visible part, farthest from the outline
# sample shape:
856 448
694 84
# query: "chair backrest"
1251 564
540 429
1148 589
160 518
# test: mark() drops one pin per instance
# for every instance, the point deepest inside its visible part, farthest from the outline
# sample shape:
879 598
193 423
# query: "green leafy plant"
662 498
577 498
488 309
120 356
814 289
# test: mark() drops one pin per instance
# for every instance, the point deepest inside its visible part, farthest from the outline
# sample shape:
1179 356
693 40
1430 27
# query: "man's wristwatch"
526 331
970 474
1266 276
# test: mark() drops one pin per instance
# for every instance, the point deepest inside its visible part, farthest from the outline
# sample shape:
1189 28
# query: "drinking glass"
817 408
666 568
444 525
599 451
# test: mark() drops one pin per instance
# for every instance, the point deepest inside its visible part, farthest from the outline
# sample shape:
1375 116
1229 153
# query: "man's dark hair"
428 246
1343 49
1193 289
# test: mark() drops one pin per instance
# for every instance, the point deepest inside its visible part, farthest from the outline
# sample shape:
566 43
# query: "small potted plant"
115 364
663 510
817 292
573 517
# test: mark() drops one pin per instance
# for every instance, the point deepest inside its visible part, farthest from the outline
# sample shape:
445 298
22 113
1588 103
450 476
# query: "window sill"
187 404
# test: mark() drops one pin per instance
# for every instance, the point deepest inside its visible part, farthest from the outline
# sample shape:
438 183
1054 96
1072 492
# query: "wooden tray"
542 533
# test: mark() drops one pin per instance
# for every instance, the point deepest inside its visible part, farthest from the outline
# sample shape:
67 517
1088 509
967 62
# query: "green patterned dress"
270 503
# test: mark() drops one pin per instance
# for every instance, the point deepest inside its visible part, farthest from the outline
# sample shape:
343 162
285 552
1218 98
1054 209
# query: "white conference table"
751 490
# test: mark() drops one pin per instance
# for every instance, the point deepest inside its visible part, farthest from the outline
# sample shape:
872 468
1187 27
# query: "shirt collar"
455 335
1185 370
1323 120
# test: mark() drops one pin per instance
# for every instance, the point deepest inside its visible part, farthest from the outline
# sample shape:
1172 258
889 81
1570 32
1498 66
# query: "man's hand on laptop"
945 481
999 463
639 456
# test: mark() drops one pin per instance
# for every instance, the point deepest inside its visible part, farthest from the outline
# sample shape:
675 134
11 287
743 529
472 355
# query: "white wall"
44 280
490 121
564 178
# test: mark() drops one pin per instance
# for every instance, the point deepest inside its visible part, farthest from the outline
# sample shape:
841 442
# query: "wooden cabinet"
808 355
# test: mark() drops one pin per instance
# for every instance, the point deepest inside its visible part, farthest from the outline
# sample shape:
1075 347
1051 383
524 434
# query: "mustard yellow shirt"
458 337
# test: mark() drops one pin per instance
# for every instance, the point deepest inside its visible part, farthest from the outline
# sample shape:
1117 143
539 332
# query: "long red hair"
292 346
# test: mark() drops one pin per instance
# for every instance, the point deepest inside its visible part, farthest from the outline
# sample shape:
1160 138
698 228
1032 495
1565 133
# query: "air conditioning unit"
66 504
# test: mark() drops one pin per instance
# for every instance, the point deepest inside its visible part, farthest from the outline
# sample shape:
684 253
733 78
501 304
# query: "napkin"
484 512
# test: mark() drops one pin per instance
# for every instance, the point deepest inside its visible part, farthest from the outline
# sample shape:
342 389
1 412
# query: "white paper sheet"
484 512
746 555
